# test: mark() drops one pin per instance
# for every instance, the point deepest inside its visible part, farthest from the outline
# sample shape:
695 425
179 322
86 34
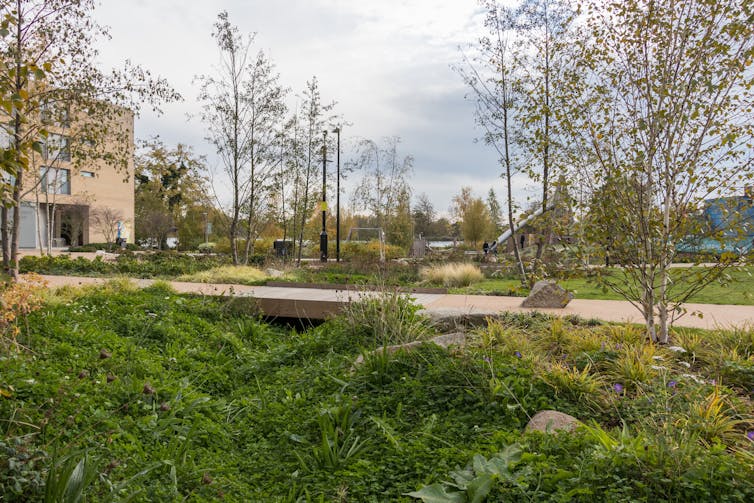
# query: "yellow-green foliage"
242 275
714 419
452 275
635 366
506 340
368 252
17 301
573 383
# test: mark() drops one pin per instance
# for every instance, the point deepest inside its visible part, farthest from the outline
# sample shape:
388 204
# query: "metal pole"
323 234
337 204
206 227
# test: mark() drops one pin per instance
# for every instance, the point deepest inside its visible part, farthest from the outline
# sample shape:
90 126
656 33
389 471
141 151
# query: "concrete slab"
319 304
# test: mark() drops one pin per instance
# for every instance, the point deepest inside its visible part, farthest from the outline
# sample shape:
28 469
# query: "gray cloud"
387 64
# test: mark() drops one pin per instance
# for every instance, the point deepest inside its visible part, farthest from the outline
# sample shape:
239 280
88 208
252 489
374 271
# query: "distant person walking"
486 247
121 237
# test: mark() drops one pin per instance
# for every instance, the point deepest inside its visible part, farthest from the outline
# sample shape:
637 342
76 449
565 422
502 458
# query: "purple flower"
619 346
602 345
517 354
488 359
750 435
672 384
618 387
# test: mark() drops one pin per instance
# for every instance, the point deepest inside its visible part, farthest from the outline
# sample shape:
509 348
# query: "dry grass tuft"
242 275
452 275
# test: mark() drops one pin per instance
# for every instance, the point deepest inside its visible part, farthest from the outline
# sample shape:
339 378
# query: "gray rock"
274 273
453 320
547 294
549 421
444 341
447 340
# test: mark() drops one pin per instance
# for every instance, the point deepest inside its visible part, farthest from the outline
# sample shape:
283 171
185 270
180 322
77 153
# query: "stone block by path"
547 294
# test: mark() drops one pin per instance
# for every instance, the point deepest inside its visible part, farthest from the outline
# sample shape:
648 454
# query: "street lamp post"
337 201
323 234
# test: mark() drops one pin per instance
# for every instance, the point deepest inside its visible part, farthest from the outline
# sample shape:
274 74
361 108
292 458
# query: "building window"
55 180
87 174
56 148
54 113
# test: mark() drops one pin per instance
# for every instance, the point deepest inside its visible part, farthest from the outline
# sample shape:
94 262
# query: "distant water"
441 244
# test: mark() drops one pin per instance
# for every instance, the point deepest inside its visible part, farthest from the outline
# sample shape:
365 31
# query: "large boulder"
547 294
549 421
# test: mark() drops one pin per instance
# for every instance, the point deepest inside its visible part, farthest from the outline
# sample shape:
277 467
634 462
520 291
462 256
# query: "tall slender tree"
265 99
491 77
225 113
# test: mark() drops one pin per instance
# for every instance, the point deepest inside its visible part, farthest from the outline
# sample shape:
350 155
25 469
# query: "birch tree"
490 76
225 113
665 115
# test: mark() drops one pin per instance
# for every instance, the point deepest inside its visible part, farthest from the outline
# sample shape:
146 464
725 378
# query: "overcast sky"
387 64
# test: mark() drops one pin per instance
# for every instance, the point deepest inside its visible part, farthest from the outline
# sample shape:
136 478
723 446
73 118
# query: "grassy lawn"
739 290
153 396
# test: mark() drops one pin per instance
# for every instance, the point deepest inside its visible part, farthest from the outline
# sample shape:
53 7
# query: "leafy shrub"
206 247
17 301
93 247
369 252
452 275
145 265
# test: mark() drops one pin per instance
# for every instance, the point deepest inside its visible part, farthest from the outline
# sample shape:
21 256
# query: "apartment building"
73 201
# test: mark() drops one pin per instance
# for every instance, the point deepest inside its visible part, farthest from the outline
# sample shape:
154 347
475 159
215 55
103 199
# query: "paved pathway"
707 316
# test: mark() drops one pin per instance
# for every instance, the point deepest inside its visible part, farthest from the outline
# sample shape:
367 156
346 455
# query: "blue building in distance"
730 220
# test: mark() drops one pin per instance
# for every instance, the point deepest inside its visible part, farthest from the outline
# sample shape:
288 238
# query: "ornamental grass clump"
242 275
452 275
387 318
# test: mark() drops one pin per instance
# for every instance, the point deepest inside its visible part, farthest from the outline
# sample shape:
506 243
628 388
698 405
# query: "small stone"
148 390
104 355
676 349
274 273
549 421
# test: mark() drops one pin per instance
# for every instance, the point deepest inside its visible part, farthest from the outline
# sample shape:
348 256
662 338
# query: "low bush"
143 265
371 251
452 275
93 247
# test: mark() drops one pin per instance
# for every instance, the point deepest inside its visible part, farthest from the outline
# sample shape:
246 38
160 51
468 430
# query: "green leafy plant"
338 443
476 481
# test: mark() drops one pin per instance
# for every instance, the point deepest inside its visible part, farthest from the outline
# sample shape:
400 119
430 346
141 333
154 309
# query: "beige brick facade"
80 189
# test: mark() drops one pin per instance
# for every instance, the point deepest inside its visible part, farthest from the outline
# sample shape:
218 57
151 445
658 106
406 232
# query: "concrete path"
299 301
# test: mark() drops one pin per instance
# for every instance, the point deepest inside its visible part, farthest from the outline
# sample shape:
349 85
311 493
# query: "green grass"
738 291
159 397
